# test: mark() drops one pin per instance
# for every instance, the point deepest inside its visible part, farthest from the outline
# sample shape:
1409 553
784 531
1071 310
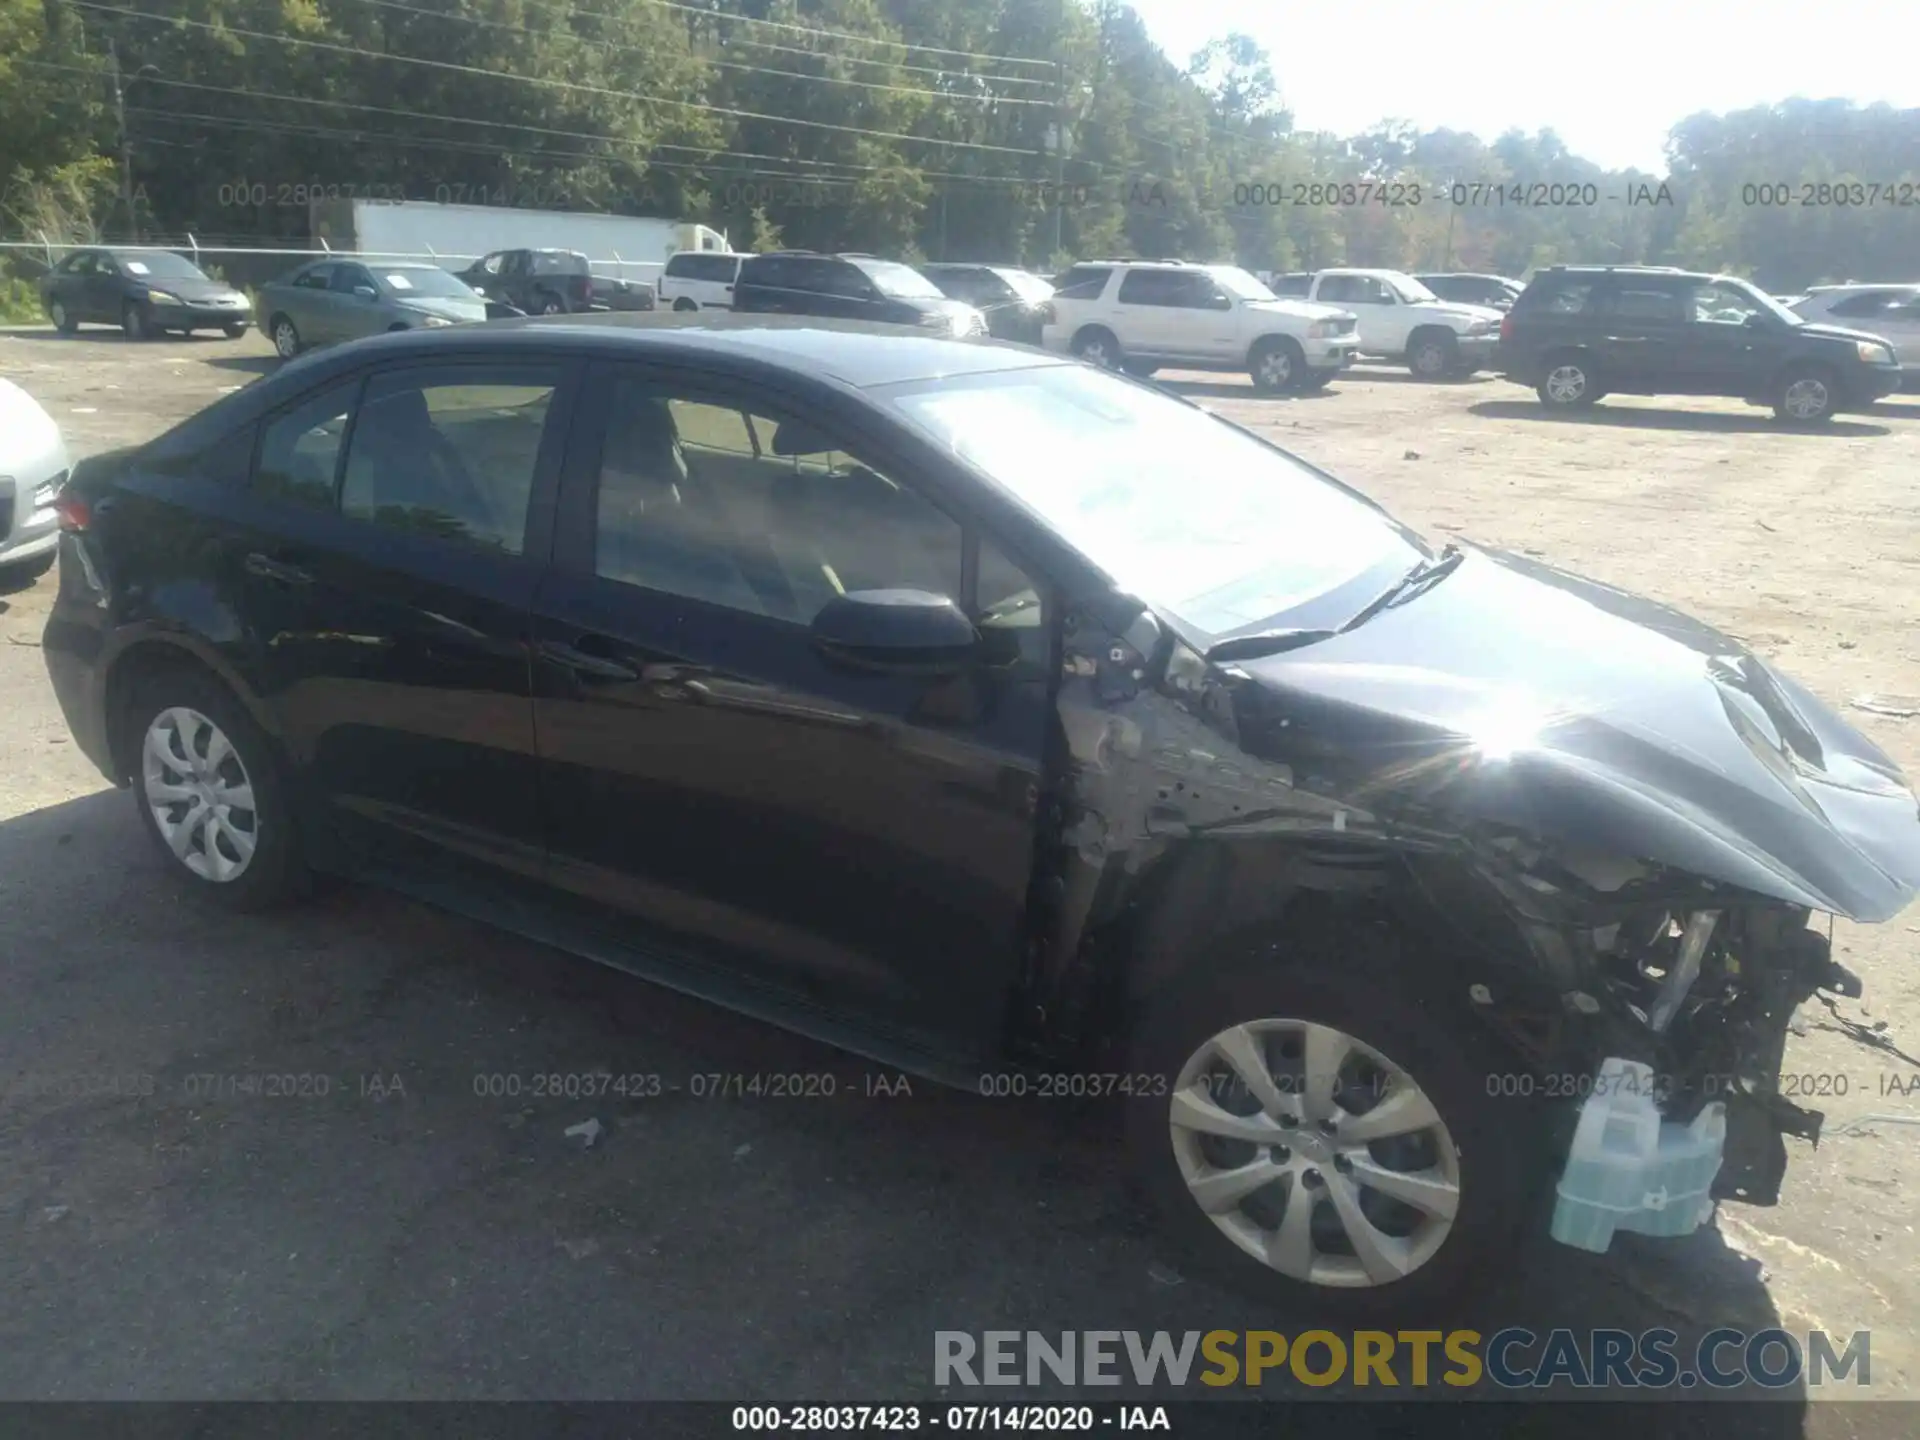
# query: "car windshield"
1026 286
1410 290
902 282
1239 283
159 265
427 280
1214 529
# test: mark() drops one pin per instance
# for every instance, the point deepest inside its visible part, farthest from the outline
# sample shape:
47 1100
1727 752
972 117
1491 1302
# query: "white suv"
698 280
1401 319
1140 315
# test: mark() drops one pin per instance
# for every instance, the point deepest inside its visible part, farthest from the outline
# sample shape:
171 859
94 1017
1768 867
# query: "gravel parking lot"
401 1235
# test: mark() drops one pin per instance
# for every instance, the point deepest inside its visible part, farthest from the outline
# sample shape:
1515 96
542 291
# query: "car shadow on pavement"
1641 418
247 364
1227 390
363 1142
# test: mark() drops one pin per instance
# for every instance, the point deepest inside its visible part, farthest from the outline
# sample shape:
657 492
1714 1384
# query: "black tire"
19 574
1098 345
1314 381
1140 369
682 305
276 872
234 332
1276 364
1568 382
1350 975
285 336
135 323
1433 354
550 305
62 317
1800 385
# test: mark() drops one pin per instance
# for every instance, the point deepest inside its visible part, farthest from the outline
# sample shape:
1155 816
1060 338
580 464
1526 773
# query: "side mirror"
1218 301
365 292
896 631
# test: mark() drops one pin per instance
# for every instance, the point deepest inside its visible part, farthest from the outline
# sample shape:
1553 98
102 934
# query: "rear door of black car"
387 548
1641 323
859 840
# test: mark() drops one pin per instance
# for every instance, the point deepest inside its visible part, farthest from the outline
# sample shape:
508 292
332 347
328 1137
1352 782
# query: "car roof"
1856 287
857 353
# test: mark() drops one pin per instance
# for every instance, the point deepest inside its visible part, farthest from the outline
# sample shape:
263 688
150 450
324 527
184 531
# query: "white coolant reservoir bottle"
1627 1169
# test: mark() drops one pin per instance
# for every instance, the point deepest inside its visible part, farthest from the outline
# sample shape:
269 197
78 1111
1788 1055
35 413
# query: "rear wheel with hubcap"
1569 383
134 323
286 339
210 792
62 318
1328 1142
1097 346
552 305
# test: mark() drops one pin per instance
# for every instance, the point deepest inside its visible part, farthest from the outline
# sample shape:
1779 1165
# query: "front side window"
1082 282
348 278
1182 510
758 512
1718 304
319 277
1240 283
450 452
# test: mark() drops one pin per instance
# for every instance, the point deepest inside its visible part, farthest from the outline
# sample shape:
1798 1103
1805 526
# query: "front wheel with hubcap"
1327 1144
1276 365
1806 398
553 305
1432 356
683 305
134 323
62 318
210 793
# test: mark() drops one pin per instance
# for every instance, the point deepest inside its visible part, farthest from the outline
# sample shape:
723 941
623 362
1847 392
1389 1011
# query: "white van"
699 280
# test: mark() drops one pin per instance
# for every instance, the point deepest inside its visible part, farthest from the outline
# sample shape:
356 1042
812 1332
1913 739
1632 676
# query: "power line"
727 64
612 141
568 85
733 19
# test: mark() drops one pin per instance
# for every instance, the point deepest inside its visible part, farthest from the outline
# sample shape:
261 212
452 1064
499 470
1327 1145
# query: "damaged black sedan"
1017 724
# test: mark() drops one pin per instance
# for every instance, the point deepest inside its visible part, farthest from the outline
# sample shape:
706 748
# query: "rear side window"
1571 297
300 449
1632 301
450 451
765 270
1082 282
682 265
1873 302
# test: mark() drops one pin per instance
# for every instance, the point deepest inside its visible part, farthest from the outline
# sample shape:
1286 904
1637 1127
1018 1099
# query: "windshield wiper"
1267 642
1275 642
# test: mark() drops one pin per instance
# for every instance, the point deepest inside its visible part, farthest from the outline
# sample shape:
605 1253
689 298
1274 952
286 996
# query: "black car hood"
1513 693
1838 332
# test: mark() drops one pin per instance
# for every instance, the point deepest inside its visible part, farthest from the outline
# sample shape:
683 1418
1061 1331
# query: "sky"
1610 80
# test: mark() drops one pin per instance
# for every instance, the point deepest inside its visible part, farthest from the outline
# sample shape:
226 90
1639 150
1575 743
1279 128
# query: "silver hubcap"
1094 352
59 316
1314 1153
1276 368
1429 359
1806 398
1566 383
284 340
200 795
552 307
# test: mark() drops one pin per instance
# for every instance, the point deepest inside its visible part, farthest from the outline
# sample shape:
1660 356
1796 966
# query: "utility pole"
1059 154
126 150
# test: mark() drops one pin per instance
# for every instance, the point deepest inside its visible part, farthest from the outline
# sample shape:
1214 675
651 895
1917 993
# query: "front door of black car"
1730 345
387 551
103 290
855 838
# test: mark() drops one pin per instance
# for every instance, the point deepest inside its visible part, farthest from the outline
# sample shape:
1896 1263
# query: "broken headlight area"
1580 959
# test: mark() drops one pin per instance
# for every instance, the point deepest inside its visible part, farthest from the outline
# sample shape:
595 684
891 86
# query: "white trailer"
626 247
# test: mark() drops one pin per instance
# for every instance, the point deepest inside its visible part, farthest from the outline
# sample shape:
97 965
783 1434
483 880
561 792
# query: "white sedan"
33 467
